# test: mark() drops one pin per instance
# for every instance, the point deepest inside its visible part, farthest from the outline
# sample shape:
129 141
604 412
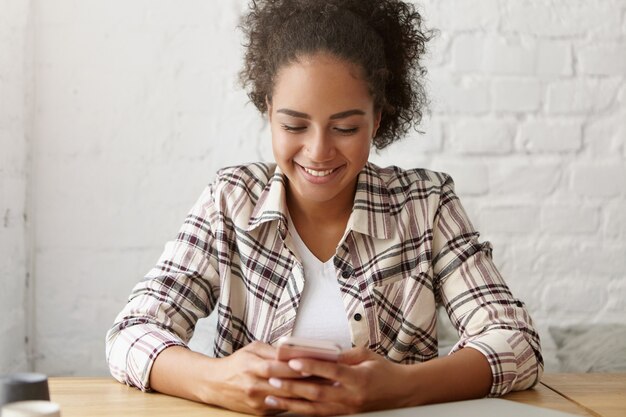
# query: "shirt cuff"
140 353
514 365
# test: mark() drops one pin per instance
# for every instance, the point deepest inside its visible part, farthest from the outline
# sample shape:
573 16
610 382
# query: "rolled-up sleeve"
479 303
164 307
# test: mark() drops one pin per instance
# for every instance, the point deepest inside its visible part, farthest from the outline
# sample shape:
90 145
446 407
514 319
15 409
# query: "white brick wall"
551 136
137 107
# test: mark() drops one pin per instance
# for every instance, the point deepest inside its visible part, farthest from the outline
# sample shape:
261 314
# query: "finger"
308 390
329 370
274 369
262 388
354 356
303 407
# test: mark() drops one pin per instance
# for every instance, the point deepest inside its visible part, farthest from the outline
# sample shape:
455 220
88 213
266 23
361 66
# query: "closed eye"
293 129
347 131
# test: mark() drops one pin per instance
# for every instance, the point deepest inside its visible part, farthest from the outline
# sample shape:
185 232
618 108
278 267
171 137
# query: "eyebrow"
340 115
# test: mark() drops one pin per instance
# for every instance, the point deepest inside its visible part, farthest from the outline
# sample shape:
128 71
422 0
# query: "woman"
327 245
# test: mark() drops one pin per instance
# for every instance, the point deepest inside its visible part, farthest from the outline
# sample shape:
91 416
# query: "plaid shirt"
408 247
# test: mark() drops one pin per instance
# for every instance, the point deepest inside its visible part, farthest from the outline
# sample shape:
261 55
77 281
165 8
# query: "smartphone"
290 347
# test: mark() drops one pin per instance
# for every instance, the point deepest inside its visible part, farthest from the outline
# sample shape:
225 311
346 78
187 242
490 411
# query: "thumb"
262 350
354 356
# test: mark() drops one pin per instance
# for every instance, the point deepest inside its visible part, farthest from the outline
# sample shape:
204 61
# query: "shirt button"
358 317
346 274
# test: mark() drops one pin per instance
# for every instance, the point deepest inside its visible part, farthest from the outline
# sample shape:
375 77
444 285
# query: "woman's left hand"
360 381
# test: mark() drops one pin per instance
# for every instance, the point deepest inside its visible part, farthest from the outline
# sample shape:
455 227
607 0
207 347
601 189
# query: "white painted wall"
136 107
14 119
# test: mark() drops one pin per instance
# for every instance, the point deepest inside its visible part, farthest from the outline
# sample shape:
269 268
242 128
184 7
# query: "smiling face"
323 120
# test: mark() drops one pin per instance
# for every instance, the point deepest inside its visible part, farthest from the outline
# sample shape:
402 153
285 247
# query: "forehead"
321 80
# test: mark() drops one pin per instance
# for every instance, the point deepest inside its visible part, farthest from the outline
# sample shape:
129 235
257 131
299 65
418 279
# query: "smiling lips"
320 176
317 173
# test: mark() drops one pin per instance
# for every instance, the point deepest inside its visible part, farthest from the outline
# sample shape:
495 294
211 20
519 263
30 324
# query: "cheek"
282 147
361 149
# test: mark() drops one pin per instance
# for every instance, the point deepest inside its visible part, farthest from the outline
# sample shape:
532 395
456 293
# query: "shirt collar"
272 203
370 211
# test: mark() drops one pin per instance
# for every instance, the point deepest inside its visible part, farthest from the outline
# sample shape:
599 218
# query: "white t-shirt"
321 314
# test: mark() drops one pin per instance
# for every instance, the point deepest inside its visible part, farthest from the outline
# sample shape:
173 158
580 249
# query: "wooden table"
601 394
581 394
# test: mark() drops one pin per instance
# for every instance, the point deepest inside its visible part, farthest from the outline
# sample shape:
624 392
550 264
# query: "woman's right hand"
240 381
237 382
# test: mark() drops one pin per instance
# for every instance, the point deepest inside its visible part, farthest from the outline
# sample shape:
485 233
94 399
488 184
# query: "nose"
320 147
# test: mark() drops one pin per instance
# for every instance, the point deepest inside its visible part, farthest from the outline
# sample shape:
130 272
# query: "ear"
378 117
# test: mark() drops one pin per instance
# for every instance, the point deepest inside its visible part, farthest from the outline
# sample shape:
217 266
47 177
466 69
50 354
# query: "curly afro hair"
386 38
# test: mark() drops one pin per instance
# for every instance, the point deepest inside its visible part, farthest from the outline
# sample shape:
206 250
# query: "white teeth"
319 173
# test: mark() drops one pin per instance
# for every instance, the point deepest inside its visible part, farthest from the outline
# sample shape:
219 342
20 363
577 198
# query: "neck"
320 213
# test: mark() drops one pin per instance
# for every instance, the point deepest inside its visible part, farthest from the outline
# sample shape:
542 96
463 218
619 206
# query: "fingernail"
275 382
296 365
271 401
